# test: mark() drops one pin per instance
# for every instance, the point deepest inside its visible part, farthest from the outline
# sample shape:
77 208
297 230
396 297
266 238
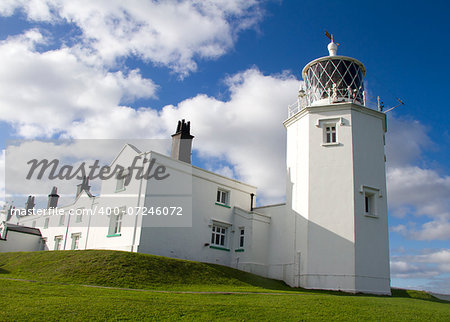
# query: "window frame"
330 133
79 215
369 201
120 180
335 123
221 195
221 236
62 220
76 237
116 222
58 242
46 222
241 237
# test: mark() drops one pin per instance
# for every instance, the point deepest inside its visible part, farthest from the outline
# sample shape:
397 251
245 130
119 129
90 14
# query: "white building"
331 233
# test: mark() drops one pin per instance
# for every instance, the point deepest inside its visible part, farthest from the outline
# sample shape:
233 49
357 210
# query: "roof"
24 229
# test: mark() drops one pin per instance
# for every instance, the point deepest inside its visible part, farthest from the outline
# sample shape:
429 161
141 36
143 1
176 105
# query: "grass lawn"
49 299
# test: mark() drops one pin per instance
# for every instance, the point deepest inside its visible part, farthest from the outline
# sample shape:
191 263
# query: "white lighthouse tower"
336 185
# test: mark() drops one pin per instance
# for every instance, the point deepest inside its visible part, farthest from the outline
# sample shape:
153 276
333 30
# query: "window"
218 236
222 196
46 222
120 183
62 218
33 224
75 241
329 127
118 224
370 201
330 133
58 242
79 217
115 224
241 236
367 203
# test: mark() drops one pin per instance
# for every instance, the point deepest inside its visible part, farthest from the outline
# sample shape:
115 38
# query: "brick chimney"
84 185
29 205
182 142
53 198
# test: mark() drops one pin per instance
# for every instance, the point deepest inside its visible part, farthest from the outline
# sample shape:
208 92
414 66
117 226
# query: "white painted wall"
194 242
325 198
372 247
20 242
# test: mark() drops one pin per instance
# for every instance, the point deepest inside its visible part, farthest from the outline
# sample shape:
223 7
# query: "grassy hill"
57 293
130 270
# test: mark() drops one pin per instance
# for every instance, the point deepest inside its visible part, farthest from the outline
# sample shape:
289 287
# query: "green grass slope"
50 298
129 270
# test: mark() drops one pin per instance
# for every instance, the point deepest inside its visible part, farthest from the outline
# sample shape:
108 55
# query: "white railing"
305 101
296 107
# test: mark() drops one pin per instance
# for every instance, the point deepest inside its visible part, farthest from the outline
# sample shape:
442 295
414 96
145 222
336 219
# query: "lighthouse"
336 180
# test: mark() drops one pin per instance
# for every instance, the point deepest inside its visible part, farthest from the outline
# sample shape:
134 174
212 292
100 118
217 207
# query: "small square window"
329 127
330 133
223 196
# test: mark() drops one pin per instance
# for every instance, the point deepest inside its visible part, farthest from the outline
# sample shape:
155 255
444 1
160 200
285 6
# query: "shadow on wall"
325 255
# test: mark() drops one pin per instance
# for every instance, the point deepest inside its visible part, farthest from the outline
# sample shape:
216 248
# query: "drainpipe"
67 230
133 246
89 223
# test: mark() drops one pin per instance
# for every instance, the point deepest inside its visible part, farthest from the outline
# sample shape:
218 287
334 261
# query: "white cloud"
247 130
406 269
414 191
2 178
430 263
44 93
405 141
171 33
425 190
225 171
70 91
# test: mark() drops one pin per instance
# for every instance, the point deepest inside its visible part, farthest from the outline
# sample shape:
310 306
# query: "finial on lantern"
332 46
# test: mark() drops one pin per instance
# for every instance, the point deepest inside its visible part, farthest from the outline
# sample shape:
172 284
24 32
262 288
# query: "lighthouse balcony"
334 97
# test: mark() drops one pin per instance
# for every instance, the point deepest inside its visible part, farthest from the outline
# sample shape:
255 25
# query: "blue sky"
110 69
